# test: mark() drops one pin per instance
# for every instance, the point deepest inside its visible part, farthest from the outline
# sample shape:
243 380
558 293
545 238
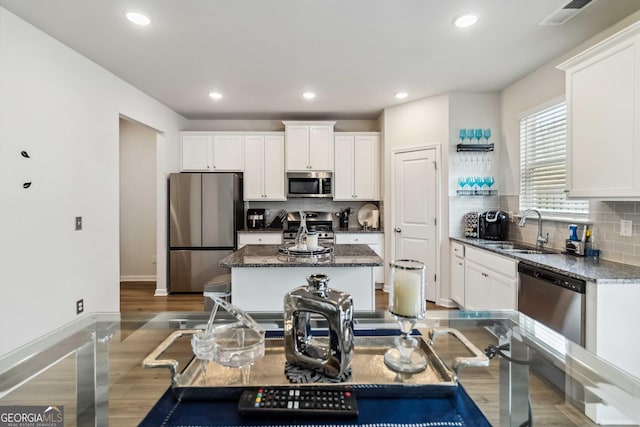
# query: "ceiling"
354 54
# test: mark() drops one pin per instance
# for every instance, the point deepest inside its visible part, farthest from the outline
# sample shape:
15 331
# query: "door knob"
397 230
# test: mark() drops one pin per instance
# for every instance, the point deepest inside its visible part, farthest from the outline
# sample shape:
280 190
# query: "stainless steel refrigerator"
205 211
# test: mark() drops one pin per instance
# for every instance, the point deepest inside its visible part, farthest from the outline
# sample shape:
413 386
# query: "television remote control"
329 401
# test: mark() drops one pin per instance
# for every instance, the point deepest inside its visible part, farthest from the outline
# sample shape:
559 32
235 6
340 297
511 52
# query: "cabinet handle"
566 191
356 240
397 230
259 240
460 264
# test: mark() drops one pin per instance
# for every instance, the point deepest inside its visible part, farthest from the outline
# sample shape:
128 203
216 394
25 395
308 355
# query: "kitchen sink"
525 251
504 246
517 248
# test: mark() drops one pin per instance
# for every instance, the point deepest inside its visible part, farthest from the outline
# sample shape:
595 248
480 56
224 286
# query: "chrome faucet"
540 240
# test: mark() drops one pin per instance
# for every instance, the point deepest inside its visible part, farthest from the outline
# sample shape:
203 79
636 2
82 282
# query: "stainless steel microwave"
309 184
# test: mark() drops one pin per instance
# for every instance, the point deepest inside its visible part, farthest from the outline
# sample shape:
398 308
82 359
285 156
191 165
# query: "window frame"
581 211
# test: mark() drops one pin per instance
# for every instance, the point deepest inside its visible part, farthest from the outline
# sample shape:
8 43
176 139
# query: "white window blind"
543 160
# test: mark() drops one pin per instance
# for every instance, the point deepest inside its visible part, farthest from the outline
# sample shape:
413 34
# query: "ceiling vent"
566 12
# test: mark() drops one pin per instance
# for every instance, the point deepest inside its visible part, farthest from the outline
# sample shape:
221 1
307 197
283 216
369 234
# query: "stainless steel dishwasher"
553 299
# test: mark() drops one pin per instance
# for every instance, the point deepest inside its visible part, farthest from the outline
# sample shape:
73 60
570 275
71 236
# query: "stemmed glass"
462 182
488 180
463 135
480 182
478 135
487 134
407 304
470 134
471 181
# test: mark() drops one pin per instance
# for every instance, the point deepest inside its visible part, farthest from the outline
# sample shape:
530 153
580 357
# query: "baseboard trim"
161 293
138 278
446 302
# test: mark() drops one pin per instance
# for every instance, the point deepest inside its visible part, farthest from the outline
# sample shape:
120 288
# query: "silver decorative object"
330 354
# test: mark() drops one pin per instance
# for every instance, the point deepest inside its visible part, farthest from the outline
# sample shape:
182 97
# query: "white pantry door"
414 205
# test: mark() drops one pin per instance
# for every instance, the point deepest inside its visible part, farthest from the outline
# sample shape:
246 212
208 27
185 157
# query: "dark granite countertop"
356 230
268 256
598 271
336 231
261 230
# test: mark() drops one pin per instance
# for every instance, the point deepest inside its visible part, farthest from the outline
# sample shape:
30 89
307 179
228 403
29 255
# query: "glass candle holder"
407 304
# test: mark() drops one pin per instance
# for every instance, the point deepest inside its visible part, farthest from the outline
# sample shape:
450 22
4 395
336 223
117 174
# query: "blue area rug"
456 410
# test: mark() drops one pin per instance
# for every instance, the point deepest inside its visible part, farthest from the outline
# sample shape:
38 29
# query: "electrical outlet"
78 223
79 306
626 228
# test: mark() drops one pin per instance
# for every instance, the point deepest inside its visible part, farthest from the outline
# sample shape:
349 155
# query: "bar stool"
219 286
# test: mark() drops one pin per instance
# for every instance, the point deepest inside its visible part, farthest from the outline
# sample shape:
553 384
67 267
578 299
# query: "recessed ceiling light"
309 95
138 18
465 20
215 95
401 95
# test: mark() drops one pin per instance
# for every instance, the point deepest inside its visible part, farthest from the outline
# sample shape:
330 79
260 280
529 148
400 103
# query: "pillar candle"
407 291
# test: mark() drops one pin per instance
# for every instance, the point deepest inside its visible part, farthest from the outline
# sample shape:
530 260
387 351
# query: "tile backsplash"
604 218
310 204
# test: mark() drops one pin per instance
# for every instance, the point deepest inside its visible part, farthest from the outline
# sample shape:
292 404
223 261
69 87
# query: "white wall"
64 110
137 202
414 124
473 110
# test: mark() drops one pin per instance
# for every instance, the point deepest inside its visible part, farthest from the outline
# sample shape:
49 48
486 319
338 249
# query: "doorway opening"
138 202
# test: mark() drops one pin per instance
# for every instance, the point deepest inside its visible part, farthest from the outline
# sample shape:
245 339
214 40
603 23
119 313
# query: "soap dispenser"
330 353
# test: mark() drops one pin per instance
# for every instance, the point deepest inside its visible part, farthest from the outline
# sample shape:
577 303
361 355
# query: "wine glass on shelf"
407 305
480 182
489 181
462 182
463 135
487 134
470 134
471 182
478 135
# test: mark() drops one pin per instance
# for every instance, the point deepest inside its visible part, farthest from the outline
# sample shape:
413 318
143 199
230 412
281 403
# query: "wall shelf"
475 147
477 192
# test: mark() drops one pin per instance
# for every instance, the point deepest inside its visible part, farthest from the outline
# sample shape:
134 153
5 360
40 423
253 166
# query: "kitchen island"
261 276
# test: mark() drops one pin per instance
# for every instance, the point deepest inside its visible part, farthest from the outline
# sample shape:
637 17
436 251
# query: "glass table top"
93 368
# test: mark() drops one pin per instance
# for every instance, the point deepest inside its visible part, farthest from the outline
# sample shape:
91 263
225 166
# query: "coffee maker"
255 218
493 225
344 218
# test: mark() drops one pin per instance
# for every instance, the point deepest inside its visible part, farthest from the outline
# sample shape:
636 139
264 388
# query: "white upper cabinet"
603 124
227 153
195 153
309 146
264 167
357 166
211 152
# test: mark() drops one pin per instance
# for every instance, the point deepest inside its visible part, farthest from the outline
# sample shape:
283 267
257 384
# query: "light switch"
626 228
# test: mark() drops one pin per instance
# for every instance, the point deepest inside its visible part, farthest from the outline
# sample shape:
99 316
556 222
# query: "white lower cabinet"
259 239
457 273
375 242
491 281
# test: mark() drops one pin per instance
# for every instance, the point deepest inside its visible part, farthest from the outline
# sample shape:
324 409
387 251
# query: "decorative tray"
370 376
294 251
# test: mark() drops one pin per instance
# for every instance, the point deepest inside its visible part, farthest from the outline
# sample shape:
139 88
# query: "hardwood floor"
136 297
